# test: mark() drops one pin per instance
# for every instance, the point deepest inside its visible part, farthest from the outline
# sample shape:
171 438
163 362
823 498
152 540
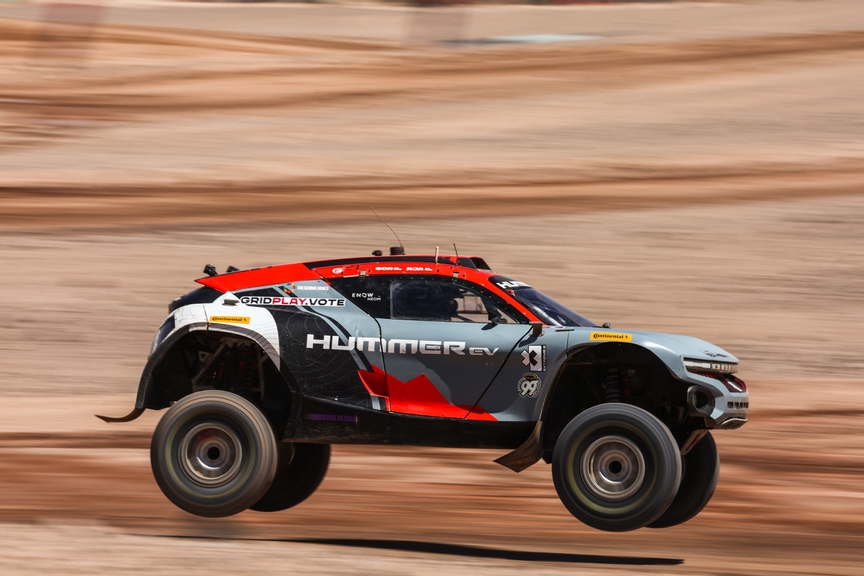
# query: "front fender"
729 407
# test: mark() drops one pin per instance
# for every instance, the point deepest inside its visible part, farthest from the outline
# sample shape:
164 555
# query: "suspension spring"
613 386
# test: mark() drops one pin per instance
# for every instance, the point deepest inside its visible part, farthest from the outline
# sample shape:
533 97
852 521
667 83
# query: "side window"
442 301
370 293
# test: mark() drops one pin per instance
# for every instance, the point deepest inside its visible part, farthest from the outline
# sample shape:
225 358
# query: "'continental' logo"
613 336
230 319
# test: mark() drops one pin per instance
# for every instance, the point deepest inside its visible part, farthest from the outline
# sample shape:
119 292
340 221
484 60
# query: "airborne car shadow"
480 552
465 551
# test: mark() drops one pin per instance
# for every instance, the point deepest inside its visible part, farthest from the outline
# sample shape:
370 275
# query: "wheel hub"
613 468
211 454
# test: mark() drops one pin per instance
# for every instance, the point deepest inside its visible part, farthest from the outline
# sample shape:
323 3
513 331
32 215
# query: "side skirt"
326 422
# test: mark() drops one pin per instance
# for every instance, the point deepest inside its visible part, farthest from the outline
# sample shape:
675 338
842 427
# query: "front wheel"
699 479
213 454
616 467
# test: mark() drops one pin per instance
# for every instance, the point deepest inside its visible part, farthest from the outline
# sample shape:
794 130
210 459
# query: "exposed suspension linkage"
208 363
235 367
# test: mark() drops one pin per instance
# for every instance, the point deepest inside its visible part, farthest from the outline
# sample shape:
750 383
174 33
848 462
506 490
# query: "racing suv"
262 370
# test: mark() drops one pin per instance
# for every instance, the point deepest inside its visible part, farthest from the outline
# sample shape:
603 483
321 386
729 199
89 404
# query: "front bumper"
710 399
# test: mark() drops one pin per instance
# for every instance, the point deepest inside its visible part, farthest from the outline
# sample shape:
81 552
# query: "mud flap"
135 413
525 455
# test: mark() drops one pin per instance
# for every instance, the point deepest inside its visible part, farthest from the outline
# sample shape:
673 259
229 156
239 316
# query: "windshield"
548 310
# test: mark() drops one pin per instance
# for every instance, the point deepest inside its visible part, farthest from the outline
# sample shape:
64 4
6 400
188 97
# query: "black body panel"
321 421
328 374
173 379
203 295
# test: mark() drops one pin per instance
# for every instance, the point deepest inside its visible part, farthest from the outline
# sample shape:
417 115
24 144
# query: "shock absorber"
612 384
246 374
626 390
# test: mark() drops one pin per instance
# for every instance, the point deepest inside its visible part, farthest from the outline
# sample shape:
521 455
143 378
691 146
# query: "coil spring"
613 386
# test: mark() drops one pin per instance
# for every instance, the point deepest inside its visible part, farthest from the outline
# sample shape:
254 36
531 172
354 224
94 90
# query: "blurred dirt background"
682 167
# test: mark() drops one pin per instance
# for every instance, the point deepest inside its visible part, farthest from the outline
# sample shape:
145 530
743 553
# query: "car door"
443 343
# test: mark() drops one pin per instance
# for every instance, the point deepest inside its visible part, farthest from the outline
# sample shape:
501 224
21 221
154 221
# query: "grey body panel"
346 341
672 349
503 398
460 358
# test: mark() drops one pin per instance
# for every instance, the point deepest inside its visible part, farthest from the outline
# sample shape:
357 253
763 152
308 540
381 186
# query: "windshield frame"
547 309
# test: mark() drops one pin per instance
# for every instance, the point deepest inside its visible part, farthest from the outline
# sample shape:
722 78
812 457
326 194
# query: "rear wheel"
213 454
616 467
701 469
301 470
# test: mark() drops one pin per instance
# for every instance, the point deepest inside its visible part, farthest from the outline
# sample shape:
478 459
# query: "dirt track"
707 183
129 126
785 506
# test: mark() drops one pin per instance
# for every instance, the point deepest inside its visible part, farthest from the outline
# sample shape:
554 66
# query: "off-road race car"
262 370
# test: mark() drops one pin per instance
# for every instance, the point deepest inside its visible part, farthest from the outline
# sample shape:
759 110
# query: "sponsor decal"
397 346
529 386
389 268
418 269
230 319
511 284
290 301
333 418
337 270
613 336
534 357
309 288
368 296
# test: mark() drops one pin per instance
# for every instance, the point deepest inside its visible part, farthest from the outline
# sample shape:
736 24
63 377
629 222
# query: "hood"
685 346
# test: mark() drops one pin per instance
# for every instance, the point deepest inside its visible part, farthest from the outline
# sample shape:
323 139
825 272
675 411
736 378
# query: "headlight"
721 371
693 365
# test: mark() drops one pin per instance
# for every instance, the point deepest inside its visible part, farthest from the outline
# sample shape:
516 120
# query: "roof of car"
472 266
466 261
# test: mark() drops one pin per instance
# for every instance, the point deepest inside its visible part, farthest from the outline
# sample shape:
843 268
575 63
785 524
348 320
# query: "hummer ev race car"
262 370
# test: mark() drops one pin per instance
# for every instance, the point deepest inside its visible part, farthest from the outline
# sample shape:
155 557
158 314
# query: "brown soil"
787 498
709 185
566 127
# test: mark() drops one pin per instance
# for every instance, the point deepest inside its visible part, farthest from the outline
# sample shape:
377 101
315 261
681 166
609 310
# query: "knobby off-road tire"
616 467
301 469
213 454
700 471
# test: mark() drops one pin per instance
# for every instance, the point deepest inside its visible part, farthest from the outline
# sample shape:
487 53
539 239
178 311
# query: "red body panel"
298 272
259 277
417 396
446 266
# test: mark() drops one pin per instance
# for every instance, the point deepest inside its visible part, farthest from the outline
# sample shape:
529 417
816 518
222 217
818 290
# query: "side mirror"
495 316
536 329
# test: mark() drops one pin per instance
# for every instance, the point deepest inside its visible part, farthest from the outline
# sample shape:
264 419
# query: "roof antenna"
457 253
394 250
436 254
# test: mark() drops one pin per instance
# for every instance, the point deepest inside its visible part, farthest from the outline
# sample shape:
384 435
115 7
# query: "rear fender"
248 322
